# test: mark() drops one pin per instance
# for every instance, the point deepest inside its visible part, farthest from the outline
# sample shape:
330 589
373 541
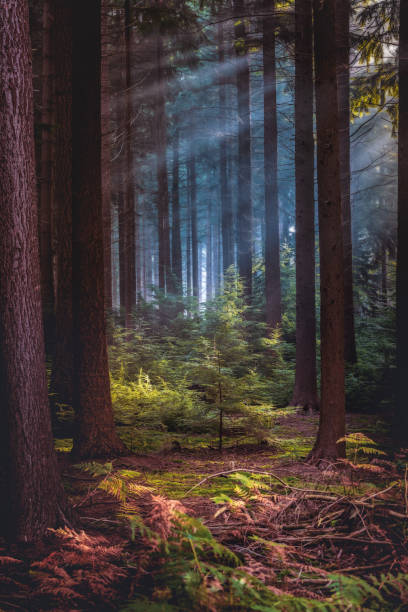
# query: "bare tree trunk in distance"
31 490
305 391
225 193
244 213
194 231
332 409
272 246
343 85
401 417
46 177
177 268
62 364
95 433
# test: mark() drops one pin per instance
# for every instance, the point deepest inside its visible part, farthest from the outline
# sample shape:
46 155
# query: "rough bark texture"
343 86
47 175
332 410
95 431
62 364
305 391
227 220
106 155
244 213
401 421
272 255
176 230
29 479
129 213
162 180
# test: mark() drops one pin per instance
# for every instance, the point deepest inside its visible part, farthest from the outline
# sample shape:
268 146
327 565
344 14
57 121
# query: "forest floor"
251 528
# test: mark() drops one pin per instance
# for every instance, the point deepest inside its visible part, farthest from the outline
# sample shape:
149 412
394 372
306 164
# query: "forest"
204 305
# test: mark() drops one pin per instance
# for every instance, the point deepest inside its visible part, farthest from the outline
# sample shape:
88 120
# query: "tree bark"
62 364
46 177
272 246
305 391
106 155
210 251
332 410
95 431
177 269
129 212
31 490
343 86
194 229
244 213
227 221
162 179
401 417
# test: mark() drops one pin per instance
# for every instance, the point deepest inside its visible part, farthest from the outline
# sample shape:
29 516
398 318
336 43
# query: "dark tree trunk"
162 179
272 247
332 410
305 391
227 221
189 268
46 177
343 85
106 155
95 431
384 280
176 231
122 254
194 229
31 490
129 214
62 365
244 212
401 421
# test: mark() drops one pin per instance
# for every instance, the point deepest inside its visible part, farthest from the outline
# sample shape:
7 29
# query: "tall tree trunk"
106 155
62 365
162 179
189 268
244 213
210 255
95 431
227 221
194 229
129 214
384 280
401 420
46 177
122 255
272 246
177 269
31 489
343 86
305 391
332 410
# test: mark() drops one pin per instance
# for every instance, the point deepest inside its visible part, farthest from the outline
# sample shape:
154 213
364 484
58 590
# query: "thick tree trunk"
31 490
343 86
47 176
122 255
177 269
272 246
129 220
106 155
162 179
401 420
62 365
227 221
305 391
332 410
95 431
209 255
244 212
